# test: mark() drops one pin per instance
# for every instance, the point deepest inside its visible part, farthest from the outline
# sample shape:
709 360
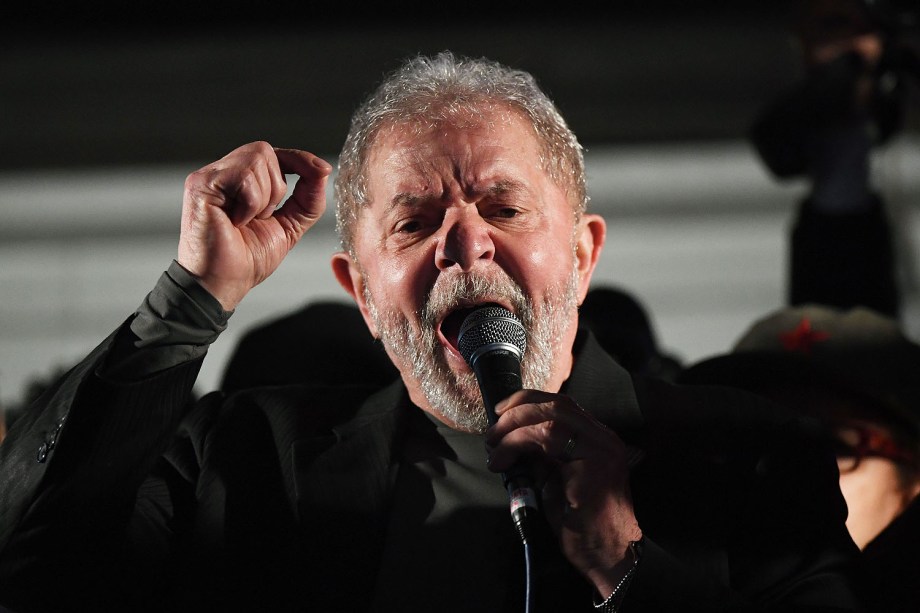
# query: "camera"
861 58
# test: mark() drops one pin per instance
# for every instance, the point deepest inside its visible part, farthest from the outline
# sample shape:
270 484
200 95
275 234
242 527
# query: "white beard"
456 397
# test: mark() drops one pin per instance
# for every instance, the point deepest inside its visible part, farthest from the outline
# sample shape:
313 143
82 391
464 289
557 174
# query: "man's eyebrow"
404 199
414 200
505 186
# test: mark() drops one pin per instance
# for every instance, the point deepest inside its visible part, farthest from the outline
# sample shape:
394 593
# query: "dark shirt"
449 523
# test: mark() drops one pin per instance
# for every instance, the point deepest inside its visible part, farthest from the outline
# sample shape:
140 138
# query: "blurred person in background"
323 341
860 68
624 328
856 373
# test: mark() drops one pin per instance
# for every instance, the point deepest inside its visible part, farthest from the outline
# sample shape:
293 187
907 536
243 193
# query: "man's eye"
506 212
410 226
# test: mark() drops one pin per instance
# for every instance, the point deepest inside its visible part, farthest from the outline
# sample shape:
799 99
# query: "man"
855 371
459 185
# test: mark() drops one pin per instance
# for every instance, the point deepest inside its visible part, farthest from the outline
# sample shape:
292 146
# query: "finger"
554 431
308 199
520 397
531 407
246 183
543 442
261 191
274 183
511 418
551 440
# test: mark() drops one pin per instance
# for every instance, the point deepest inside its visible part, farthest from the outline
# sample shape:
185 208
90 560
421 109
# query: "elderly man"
459 186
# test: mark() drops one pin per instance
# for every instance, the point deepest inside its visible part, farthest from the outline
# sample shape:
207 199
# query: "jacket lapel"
604 388
342 481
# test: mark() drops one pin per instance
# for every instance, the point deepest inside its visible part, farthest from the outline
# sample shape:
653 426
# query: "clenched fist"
234 233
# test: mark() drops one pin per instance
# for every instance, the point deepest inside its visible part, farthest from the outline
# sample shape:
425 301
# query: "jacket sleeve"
71 470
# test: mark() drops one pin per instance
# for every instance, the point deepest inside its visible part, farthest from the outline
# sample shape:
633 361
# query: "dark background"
91 84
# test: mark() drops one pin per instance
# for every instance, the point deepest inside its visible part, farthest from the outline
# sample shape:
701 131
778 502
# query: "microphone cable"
492 340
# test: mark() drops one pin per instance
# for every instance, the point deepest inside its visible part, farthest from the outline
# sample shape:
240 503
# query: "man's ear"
589 243
350 277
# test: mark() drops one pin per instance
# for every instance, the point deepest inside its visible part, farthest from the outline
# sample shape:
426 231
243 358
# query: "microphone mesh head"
489 328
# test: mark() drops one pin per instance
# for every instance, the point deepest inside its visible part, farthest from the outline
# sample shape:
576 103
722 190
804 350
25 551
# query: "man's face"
459 218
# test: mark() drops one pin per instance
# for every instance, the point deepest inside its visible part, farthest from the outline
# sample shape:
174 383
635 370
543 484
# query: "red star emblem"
802 338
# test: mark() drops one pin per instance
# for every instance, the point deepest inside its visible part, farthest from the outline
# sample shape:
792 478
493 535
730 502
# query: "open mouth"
450 325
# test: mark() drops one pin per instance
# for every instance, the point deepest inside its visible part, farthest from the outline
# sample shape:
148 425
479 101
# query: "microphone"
492 341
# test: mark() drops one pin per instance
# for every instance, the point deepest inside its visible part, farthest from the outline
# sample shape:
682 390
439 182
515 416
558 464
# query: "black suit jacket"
276 498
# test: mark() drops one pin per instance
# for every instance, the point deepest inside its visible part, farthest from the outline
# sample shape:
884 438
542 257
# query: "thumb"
308 198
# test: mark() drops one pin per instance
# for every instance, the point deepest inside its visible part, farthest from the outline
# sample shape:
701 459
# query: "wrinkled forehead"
467 153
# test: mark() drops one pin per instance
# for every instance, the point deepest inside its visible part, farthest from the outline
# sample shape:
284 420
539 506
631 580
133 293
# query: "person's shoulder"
719 414
300 406
727 440
679 402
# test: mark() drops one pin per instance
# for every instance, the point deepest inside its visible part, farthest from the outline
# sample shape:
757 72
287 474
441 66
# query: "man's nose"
466 239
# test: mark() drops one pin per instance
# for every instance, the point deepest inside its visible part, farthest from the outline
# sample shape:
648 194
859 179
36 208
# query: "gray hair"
431 90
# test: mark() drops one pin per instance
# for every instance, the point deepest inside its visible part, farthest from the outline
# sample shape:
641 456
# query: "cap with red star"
802 337
856 350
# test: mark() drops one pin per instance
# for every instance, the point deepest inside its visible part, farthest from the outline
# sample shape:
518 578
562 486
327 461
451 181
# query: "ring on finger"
569 449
